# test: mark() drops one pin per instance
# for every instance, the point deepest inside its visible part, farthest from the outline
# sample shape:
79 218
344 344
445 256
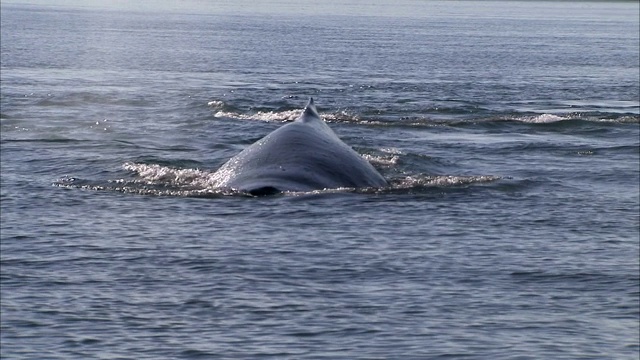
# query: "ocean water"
509 133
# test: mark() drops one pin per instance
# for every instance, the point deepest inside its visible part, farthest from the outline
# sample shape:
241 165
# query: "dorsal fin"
310 109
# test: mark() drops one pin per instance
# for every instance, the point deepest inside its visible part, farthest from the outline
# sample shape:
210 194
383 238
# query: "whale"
301 156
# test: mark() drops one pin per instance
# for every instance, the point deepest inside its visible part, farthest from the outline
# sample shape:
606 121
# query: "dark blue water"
509 133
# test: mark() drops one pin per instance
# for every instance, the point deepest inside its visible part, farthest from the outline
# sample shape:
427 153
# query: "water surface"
509 132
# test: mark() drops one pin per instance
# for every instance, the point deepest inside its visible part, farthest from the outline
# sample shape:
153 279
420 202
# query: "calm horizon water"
509 133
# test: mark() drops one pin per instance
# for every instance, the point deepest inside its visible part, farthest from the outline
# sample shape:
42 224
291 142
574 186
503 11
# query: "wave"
288 116
154 179
390 158
382 118
268 116
579 278
159 180
597 118
224 110
541 119
441 181
155 173
134 187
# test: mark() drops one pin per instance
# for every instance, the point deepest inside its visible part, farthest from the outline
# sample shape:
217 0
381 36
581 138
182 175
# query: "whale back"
303 155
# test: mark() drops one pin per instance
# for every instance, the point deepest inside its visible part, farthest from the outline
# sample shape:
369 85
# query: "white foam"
289 115
157 174
161 180
394 151
218 104
632 119
551 118
268 116
340 116
443 181
542 119
384 160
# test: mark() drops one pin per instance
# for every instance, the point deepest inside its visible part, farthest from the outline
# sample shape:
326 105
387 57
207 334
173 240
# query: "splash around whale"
303 155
